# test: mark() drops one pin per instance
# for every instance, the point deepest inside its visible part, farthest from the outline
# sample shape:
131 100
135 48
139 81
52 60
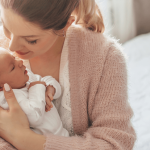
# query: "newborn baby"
29 90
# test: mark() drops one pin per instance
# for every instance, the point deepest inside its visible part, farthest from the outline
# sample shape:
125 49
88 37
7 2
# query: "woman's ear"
69 23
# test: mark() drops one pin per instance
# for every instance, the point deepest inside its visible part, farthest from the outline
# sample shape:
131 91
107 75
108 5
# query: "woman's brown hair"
54 14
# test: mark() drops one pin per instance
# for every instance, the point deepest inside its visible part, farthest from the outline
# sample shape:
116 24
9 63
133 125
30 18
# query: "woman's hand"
50 91
13 120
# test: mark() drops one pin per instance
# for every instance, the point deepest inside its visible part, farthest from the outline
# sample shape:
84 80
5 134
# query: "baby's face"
12 71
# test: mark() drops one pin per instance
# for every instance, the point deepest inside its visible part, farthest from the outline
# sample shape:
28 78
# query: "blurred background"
126 19
129 21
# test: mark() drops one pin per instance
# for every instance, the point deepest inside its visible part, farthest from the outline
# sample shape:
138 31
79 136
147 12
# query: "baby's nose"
20 63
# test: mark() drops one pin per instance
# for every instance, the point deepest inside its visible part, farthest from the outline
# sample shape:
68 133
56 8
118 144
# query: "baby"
29 90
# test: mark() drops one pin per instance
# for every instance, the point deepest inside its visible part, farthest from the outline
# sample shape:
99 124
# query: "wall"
142 16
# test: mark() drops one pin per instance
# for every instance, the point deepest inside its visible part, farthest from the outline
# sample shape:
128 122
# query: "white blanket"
138 52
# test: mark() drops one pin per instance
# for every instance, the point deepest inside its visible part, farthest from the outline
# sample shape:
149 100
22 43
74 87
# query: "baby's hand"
50 91
36 82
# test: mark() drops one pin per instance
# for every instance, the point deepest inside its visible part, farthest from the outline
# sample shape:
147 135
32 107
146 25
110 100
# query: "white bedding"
138 52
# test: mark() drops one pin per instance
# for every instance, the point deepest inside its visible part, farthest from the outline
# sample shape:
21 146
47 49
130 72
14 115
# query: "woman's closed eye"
32 42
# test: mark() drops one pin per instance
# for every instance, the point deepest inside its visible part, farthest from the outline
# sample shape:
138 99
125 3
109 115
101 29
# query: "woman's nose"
20 63
14 44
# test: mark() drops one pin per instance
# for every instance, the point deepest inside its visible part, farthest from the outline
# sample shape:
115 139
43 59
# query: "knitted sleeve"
5 145
110 115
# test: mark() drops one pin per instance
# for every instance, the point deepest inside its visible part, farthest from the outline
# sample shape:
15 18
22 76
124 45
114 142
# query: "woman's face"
27 40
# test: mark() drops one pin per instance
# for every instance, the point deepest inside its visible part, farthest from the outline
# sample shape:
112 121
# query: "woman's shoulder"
82 35
92 43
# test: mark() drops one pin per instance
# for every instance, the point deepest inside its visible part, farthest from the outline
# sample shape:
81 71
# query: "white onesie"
32 102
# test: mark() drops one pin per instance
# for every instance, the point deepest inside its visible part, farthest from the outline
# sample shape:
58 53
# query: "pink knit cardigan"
98 93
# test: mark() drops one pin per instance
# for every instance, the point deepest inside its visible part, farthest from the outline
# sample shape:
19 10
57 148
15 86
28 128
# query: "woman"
89 66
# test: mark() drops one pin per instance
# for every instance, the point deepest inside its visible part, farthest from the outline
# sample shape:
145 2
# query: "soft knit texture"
98 93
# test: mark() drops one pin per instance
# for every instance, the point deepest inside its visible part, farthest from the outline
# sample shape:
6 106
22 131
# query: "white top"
32 102
63 104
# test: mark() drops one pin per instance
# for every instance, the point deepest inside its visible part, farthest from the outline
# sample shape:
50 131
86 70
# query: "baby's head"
12 71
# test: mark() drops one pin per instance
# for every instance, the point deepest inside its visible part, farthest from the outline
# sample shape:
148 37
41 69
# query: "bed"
138 64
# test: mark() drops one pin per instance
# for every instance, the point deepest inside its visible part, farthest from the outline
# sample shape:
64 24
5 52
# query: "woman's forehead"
18 25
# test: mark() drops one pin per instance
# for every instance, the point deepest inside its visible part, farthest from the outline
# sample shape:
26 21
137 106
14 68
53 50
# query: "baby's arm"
50 81
50 92
53 91
34 105
36 82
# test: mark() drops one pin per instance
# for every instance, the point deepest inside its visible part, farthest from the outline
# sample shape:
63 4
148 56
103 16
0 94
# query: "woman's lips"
21 53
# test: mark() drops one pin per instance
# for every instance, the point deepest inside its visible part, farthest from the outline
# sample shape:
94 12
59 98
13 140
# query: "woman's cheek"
34 47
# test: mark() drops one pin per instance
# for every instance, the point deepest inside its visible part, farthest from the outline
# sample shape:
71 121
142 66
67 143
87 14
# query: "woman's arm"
4 145
28 140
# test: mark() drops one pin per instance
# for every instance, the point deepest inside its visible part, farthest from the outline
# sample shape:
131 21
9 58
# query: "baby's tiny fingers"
50 96
48 108
48 101
51 105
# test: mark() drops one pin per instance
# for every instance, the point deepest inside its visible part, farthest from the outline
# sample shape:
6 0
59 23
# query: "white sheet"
138 52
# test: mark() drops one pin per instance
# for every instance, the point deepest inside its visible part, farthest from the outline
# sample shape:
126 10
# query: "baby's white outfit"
32 102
